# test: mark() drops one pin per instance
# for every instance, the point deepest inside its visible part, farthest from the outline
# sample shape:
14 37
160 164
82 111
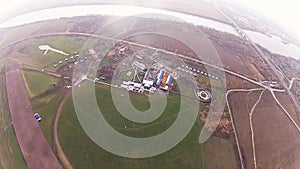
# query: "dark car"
37 117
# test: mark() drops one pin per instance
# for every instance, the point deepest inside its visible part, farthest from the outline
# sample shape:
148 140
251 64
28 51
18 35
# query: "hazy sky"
285 12
7 6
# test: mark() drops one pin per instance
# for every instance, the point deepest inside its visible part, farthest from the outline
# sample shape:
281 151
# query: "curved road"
60 153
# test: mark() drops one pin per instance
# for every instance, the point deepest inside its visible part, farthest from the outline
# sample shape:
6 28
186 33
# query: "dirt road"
35 149
60 153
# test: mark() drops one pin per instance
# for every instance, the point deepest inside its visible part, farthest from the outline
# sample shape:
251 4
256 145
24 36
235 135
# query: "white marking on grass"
46 48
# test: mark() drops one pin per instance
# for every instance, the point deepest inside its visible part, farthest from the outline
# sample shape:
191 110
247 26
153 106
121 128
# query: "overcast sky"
284 12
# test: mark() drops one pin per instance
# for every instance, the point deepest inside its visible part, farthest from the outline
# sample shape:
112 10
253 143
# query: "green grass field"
82 152
11 155
28 52
47 104
47 107
38 83
221 153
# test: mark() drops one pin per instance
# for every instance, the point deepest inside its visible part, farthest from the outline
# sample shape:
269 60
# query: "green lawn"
30 54
141 103
38 83
46 104
82 152
9 148
47 107
223 151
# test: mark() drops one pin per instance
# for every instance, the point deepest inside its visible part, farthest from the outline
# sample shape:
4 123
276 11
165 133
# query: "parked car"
37 117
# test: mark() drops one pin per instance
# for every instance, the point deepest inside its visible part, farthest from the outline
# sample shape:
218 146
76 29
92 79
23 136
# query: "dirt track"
276 138
36 151
60 153
241 104
277 142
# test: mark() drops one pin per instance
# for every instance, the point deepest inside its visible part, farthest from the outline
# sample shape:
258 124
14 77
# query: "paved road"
35 149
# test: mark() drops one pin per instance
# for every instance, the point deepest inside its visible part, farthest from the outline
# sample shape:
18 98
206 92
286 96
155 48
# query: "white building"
124 86
148 83
137 85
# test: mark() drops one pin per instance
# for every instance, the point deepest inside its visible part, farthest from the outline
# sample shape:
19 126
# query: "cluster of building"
164 79
272 84
119 51
139 87
93 54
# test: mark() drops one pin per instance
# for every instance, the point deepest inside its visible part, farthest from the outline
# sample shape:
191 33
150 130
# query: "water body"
113 10
275 44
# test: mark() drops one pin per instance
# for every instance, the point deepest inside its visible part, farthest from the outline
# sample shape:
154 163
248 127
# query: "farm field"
267 132
241 116
271 153
221 150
